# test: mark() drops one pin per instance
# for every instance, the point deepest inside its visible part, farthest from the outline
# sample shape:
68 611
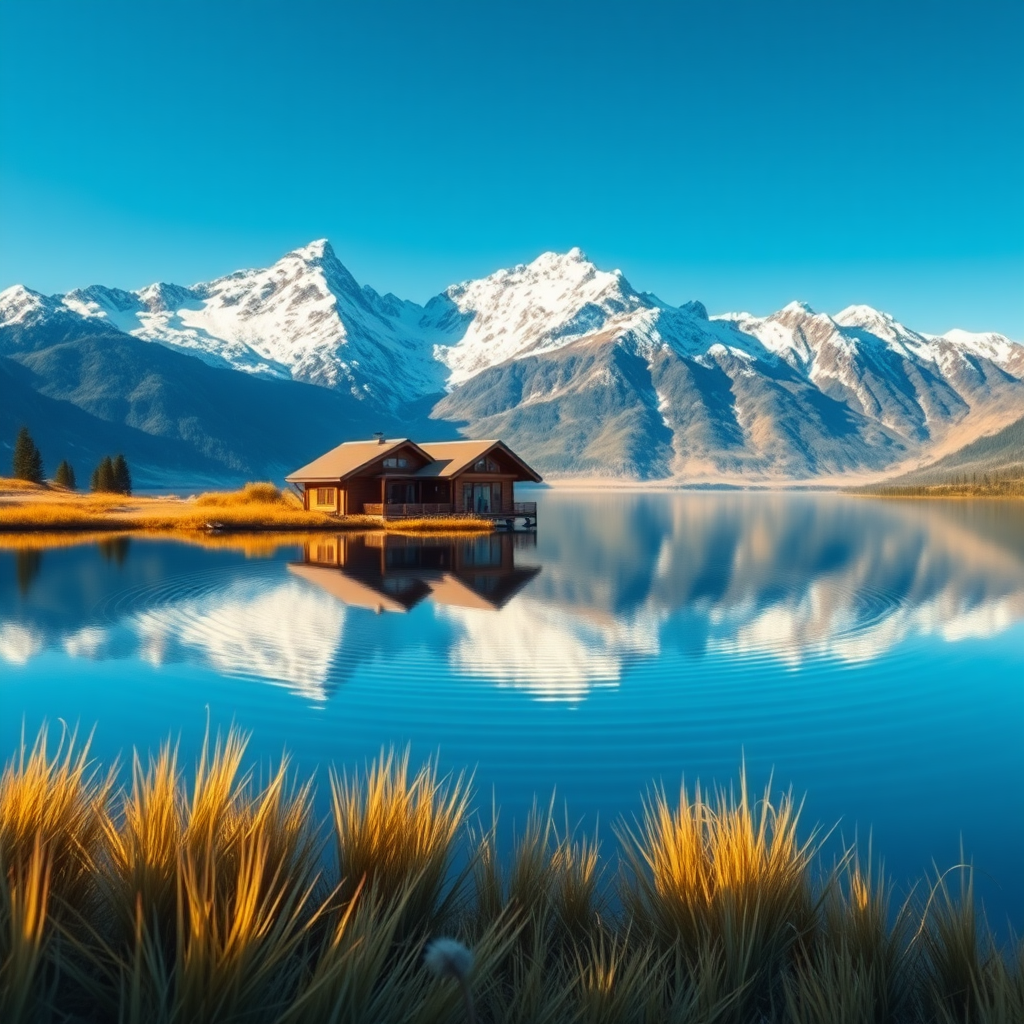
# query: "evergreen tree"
27 462
122 475
103 475
65 475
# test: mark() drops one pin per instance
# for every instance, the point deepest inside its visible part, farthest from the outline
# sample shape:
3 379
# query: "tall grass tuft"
24 935
213 893
397 834
57 802
727 883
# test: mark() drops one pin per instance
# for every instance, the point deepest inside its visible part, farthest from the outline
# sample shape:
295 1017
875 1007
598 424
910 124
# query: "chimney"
379 436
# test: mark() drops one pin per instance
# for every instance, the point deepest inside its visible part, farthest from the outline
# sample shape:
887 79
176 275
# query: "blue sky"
743 154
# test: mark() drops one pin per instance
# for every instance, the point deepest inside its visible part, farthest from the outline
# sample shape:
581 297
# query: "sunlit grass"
204 893
255 507
13 483
250 494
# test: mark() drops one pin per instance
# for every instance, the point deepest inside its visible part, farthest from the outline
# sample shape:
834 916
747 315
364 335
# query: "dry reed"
205 895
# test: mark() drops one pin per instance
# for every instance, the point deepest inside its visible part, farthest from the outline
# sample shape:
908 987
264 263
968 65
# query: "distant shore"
26 507
1008 489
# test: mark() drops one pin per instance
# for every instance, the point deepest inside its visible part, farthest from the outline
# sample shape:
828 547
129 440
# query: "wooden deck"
517 510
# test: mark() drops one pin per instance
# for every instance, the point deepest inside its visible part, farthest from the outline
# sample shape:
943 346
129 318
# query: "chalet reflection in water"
388 572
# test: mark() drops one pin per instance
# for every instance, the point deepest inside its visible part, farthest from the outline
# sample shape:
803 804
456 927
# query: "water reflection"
388 572
611 580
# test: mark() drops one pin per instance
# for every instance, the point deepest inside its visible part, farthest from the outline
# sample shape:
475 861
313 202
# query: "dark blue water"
870 654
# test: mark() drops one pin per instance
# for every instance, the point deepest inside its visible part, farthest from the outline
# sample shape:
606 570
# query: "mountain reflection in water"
610 580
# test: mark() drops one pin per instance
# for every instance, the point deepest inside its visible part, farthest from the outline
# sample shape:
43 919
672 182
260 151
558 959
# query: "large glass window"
485 466
401 493
395 462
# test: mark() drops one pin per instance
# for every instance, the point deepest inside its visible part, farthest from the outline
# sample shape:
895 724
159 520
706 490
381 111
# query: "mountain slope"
1002 452
175 418
569 363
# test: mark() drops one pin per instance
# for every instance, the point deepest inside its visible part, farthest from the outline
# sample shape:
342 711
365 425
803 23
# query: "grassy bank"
213 897
257 506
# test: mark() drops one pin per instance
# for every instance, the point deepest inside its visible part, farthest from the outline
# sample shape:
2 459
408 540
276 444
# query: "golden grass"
250 494
439 524
256 507
12 483
204 896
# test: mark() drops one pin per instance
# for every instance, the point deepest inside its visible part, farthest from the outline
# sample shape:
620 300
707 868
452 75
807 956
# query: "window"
325 495
392 462
485 466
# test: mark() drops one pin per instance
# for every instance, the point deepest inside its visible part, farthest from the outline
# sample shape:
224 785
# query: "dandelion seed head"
449 957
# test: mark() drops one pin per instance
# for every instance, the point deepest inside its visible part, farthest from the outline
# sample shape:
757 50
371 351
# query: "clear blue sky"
741 153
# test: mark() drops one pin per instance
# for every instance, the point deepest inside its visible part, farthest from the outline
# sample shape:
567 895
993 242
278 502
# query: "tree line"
1005 482
111 474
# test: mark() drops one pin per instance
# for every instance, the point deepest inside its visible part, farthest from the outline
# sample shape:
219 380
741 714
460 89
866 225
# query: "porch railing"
405 511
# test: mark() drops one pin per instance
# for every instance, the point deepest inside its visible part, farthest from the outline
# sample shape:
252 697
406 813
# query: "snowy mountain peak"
318 251
532 308
18 304
864 316
798 307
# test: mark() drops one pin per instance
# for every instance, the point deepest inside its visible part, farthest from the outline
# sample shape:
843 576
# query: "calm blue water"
870 654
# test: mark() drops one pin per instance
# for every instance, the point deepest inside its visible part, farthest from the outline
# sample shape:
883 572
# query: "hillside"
1000 454
176 419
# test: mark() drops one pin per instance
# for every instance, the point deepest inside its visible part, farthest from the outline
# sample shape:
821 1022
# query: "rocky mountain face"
581 372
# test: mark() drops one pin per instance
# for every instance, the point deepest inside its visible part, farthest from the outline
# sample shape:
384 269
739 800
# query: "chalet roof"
443 459
348 457
452 457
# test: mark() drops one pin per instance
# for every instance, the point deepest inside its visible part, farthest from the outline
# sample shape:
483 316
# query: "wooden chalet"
400 478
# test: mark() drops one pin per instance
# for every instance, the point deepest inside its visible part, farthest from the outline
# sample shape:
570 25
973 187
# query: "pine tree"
27 462
122 475
65 475
103 475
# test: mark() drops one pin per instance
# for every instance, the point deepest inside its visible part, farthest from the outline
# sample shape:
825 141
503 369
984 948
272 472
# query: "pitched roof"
444 459
452 457
347 458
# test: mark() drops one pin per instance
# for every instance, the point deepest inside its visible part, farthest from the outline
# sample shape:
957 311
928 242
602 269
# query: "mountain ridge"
584 373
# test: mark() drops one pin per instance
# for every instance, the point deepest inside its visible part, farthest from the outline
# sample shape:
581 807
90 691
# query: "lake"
869 654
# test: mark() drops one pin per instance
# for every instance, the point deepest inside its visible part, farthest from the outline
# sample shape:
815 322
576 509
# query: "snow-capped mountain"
572 364
304 318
